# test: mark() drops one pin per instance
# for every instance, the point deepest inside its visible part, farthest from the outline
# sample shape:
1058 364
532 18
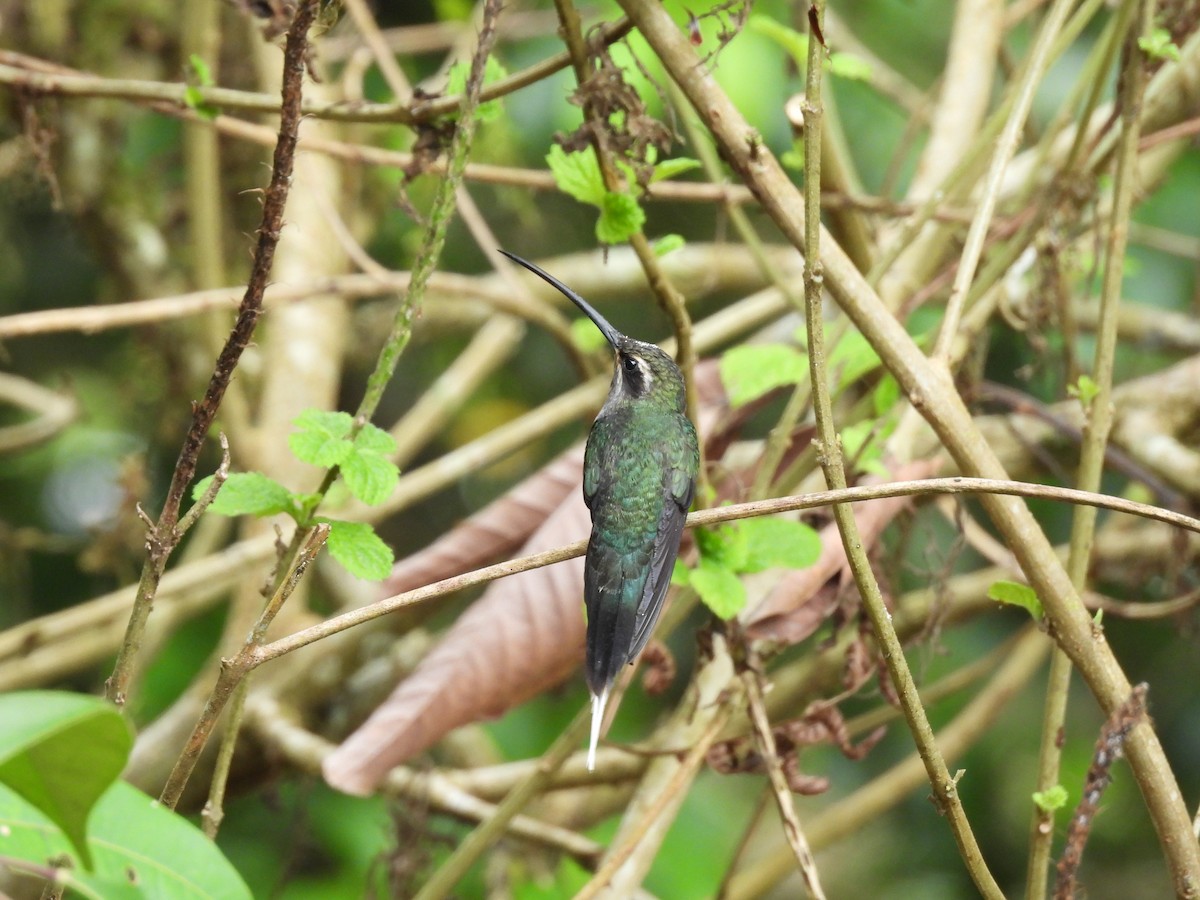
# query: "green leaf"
854 357
1159 45
370 477
587 338
620 218
668 243
1051 799
373 439
1084 389
1016 594
719 588
247 494
201 70
886 395
493 71
847 65
773 542
794 158
322 438
193 97
132 838
680 574
60 752
725 546
577 174
795 43
862 443
670 168
750 371
360 550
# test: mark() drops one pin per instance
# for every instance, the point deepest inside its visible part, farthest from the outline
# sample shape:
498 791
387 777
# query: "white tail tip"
599 701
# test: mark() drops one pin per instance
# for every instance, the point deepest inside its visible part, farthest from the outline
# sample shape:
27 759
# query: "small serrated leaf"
1051 799
373 439
772 542
620 218
370 477
669 168
360 550
577 174
749 371
719 588
322 438
668 243
1016 594
247 494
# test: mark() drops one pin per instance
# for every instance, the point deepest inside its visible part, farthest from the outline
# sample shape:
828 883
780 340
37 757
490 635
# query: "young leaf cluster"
325 439
742 548
621 216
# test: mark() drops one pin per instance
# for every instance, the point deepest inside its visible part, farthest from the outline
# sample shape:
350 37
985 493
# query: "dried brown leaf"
524 635
495 531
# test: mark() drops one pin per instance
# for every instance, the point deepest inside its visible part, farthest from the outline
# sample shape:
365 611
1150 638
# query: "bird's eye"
629 363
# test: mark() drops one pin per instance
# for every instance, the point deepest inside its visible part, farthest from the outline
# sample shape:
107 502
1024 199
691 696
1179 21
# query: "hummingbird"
639 476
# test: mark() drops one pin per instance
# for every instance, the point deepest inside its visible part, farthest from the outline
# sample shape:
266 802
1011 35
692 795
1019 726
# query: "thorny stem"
1095 434
165 535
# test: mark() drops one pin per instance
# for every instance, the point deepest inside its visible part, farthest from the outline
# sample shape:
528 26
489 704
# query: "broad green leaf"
60 752
726 546
669 168
1016 594
577 174
1051 799
750 371
719 588
620 218
359 549
668 243
134 840
247 494
680 574
373 439
771 542
854 357
493 71
322 438
370 477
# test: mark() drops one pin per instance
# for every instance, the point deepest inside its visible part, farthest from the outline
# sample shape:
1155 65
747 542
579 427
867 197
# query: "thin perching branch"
165 534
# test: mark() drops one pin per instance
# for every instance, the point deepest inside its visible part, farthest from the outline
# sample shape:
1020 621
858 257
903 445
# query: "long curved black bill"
610 334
